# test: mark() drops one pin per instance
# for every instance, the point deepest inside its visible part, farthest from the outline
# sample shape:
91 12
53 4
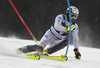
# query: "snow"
90 56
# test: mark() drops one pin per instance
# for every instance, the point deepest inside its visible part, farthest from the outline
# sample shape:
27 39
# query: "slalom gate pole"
27 26
70 28
31 32
22 21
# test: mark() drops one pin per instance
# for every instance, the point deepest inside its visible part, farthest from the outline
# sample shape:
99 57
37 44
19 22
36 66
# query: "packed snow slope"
90 56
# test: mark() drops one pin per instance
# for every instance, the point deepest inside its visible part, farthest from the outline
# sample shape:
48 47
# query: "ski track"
90 56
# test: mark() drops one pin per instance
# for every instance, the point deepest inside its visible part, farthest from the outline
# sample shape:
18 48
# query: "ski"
38 57
33 57
59 58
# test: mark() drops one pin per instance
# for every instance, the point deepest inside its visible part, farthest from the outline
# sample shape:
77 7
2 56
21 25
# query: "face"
73 19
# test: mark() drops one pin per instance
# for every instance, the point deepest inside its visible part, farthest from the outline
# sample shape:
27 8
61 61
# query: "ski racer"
61 26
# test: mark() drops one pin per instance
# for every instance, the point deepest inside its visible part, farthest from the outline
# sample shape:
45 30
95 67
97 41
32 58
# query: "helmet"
74 12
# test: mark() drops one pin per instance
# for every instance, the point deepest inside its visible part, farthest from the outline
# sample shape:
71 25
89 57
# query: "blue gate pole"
70 28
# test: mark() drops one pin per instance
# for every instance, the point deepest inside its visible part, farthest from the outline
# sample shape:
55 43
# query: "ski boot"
29 48
45 52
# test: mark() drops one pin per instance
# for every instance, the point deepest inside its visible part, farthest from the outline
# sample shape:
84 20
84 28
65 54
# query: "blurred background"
39 15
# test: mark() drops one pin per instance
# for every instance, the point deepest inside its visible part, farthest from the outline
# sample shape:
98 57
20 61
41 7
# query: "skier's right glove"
77 54
67 29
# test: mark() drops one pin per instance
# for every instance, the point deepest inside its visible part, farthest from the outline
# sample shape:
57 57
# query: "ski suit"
58 27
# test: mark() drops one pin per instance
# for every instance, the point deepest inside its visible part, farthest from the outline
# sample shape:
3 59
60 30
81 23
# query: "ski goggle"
74 16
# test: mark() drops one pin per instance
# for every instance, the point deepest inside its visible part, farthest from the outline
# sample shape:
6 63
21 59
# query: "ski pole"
22 21
70 28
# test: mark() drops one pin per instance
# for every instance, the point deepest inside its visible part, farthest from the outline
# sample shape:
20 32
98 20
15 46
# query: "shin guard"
57 47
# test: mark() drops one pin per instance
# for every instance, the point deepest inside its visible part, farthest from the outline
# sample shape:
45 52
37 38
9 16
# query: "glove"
77 54
68 28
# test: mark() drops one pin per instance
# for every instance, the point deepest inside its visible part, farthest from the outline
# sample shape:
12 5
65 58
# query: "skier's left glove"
67 29
77 54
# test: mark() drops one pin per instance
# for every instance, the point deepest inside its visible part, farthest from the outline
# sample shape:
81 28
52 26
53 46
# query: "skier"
61 26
